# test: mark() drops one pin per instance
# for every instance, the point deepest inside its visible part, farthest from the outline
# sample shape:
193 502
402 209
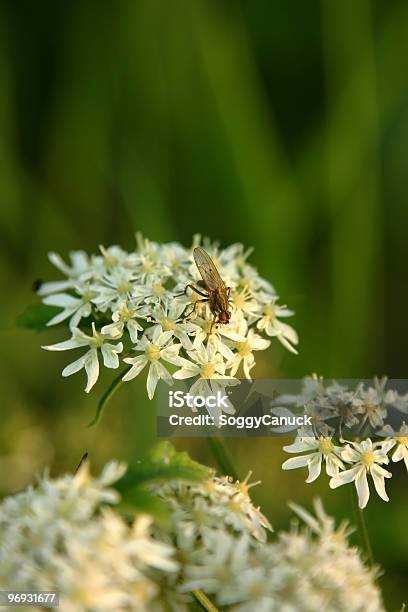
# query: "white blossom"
129 295
366 458
152 351
399 441
270 323
89 360
317 451
62 535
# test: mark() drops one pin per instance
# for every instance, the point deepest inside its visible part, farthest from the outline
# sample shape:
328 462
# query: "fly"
212 289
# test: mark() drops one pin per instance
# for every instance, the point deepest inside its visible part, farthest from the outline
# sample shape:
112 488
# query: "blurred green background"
280 125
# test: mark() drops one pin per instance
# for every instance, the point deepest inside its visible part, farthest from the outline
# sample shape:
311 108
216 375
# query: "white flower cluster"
61 536
198 510
134 305
363 413
221 541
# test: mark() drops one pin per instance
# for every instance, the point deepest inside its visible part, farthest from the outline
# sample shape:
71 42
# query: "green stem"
222 456
204 601
362 527
110 391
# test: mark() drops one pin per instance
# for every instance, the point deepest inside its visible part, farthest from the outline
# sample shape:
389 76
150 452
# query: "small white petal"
296 462
362 489
152 380
91 368
73 367
110 354
63 300
315 467
138 363
187 371
379 482
344 477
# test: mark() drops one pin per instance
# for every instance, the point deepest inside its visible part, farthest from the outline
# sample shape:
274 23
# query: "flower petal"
344 477
362 489
379 482
91 368
296 462
315 467
152 380
138 363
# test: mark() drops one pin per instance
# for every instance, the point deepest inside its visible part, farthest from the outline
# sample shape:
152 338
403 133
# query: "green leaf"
110 391
36 316
163 463
140 500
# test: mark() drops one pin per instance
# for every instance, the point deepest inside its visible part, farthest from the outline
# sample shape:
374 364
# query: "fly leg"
194 307
213 323
190 286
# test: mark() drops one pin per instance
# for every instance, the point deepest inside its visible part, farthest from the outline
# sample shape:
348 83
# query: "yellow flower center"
402 440
153 352
110 261
167 325
207 370
124 287
97 340
147 265
87 296
158 289
325 446
125 314
368 458
270 311
244 348
234 505
239 300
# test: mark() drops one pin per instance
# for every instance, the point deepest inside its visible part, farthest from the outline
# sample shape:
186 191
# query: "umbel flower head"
62 535
134 306
66 535
362 412
307 569
200 509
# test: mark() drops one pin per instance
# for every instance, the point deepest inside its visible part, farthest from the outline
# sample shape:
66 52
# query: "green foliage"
36 317
162 463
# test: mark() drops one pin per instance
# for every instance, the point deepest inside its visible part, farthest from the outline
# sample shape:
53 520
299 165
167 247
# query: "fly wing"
207 269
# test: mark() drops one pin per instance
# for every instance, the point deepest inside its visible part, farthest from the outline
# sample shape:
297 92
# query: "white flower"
370 404
169 318
81 269
61 534
153 290
317 451
199 509
400 440
89 360
124 317
367 458
244 302
208 365
311 568
114 257
244 349
73 308
128 294
159 347
269 322
114 287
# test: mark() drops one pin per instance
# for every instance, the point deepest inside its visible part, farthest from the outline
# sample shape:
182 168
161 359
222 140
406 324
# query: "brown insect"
212 289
